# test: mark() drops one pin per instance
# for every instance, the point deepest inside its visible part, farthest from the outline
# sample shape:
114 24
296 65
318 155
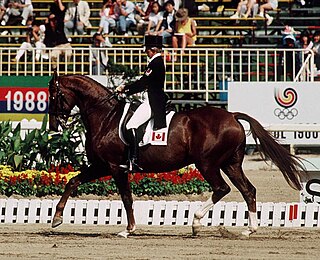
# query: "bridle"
59 101
59 104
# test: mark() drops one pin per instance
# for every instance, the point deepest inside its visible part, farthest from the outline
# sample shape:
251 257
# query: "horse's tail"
269 148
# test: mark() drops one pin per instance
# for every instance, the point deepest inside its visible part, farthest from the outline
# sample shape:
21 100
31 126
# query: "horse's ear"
55 75
53 80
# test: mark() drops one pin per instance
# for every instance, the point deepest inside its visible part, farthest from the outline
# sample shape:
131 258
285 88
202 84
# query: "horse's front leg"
70 187
123 185
87 174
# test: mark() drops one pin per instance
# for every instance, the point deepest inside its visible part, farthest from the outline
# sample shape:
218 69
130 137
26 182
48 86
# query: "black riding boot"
134 151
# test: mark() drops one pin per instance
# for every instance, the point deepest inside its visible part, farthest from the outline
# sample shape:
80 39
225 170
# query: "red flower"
137 177
13 180
105 178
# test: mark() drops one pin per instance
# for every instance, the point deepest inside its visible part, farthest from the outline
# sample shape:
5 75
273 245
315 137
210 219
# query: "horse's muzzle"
53 123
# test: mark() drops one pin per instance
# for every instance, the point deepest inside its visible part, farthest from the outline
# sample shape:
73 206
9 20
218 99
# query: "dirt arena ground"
100 242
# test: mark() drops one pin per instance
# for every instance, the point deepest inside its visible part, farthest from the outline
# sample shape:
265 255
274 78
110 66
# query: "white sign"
280 103
277 102
311 181
101 79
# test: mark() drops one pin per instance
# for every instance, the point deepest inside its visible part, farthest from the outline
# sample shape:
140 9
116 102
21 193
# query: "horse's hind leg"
248 191
220 188
123 185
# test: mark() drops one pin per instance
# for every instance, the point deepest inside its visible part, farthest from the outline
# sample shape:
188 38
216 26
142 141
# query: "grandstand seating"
196 78
215 28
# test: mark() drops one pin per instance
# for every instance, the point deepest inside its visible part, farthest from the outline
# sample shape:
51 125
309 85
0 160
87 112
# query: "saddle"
145 131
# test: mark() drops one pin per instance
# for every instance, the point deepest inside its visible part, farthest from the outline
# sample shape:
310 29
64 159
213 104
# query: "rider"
151 84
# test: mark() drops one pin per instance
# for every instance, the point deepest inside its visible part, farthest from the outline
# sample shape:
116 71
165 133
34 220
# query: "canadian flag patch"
158 136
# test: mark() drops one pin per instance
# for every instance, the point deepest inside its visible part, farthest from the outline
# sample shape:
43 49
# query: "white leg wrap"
198 215
204 209
253 224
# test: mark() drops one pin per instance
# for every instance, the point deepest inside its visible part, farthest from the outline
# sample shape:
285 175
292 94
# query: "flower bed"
52 182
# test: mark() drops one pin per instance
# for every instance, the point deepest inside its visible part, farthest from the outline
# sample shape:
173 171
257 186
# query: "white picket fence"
106 212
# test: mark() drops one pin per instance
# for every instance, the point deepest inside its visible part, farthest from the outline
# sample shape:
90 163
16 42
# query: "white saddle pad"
158 137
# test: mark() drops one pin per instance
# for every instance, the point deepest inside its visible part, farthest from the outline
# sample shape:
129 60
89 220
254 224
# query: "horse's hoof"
124 234
57 221
196 229
247 233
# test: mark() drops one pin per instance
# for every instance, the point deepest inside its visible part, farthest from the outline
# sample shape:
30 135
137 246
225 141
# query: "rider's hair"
155 49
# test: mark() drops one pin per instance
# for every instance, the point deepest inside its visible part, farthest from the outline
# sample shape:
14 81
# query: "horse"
211 138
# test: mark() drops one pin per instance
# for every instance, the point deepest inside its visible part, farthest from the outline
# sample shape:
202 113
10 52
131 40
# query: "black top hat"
151 41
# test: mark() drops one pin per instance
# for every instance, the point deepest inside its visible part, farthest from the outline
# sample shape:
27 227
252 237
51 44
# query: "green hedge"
42 183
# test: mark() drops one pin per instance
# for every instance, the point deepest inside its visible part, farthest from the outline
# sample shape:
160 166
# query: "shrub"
39 149
42 183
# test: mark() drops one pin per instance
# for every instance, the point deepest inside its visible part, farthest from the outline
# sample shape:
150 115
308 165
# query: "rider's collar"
153 57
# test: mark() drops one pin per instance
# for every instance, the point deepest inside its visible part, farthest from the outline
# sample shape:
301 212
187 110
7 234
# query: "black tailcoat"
153 82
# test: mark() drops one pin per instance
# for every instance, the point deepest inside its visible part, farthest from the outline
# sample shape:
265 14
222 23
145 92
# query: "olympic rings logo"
286 99
285 113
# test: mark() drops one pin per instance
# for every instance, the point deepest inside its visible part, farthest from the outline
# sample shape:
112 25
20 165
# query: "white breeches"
142 115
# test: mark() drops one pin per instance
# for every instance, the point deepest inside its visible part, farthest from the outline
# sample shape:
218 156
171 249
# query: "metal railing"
199 74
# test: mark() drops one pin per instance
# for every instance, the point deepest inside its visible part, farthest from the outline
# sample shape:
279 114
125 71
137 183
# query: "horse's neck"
89 95
93 101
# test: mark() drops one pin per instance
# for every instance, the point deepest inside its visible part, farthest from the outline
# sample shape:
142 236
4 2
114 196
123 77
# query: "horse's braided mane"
94 85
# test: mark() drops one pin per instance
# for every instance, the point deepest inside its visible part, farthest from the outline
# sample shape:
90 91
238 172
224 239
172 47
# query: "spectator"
142 15
185 30
35 36
302 2
16 10
126 18
268 5
3 7
288 30
12 15
99 57
316 50
155 19
168 22
176 3
77 18
193 8
290 60
58 9
107 21
244 9
55 38
305 41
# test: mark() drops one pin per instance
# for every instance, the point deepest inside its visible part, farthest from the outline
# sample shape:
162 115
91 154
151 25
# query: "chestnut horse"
211 138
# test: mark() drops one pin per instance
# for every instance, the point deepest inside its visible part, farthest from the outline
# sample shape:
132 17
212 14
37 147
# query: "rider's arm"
137 86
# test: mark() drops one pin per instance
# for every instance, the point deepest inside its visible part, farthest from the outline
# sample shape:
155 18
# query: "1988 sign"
24 100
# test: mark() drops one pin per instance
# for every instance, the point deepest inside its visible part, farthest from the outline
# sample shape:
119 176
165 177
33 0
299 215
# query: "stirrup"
134 167
124 166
